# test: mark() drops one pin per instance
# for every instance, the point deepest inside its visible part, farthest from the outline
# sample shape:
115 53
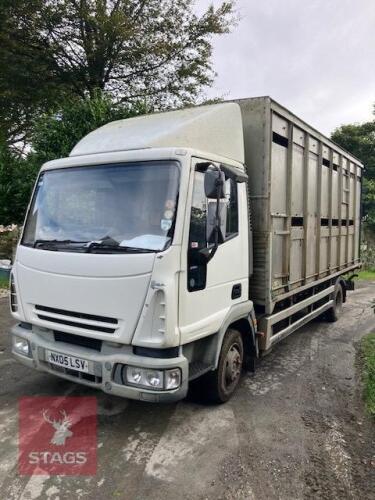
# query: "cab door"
209 289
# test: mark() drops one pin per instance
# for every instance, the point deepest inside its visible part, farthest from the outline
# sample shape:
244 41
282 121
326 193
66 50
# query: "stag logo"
62 432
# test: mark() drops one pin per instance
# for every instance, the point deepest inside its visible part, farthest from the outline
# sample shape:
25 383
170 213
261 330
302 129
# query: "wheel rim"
232 367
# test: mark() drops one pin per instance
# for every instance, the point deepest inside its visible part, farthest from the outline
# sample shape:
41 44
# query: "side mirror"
214 183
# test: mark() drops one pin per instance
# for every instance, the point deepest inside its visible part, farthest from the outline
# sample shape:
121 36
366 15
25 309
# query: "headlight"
13 295
134 375
152 379
21 346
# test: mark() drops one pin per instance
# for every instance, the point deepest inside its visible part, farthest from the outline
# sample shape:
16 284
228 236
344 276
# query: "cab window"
201 210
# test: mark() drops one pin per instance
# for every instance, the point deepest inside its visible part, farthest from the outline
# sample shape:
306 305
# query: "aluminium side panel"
315 202
305 203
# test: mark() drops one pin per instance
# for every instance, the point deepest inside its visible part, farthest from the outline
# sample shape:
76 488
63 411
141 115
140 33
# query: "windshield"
131 205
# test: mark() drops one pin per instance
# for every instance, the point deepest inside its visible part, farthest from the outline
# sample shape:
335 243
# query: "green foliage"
4 282
16 180
369 200
8 243
68 67
360 141
368 354
28 82
368 256
56 133
366 275
132 49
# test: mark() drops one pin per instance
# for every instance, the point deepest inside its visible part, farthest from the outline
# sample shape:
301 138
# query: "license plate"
70 362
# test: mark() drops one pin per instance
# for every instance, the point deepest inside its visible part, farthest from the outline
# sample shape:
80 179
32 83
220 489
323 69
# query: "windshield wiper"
114 247
107 244
53 243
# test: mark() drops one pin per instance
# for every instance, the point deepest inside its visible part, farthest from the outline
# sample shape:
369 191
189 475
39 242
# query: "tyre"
335 311
219 385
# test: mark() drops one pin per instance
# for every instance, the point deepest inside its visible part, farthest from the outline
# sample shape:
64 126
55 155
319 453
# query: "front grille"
69 338
74 319
76 325
92 317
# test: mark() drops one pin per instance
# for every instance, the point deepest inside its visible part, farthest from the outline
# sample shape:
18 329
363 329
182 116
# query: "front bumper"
102 366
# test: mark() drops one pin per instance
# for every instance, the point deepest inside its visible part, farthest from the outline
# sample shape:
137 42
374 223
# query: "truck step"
198 368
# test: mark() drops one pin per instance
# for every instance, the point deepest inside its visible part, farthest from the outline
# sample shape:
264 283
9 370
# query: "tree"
56 133
16 180
28 84
359 139
158 50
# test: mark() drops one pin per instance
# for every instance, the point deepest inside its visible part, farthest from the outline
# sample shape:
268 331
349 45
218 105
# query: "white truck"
181 245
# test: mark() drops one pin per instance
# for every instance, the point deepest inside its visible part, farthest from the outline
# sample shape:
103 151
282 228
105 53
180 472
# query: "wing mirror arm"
214 189
208 253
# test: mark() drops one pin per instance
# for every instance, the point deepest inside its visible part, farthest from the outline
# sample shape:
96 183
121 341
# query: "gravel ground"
294 430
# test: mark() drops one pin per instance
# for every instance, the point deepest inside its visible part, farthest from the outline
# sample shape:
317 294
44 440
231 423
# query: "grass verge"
366 275
4 282
368 355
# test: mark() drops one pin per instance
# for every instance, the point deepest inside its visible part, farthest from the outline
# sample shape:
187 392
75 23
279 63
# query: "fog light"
173 378
21 346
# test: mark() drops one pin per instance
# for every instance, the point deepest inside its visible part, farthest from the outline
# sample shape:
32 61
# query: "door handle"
236 291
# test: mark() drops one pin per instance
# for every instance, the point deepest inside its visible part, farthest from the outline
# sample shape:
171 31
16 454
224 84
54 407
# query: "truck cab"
132 272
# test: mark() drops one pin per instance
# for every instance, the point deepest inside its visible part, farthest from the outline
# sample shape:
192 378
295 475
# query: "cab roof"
215 128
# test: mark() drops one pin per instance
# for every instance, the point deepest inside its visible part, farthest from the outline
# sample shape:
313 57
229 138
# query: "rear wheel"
334 313
220 384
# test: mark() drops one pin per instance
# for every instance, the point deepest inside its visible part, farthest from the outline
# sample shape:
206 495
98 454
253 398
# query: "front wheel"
220 384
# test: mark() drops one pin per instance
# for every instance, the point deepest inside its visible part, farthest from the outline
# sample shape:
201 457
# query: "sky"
315 57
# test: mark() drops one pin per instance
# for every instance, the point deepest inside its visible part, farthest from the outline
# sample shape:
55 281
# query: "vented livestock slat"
304 203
